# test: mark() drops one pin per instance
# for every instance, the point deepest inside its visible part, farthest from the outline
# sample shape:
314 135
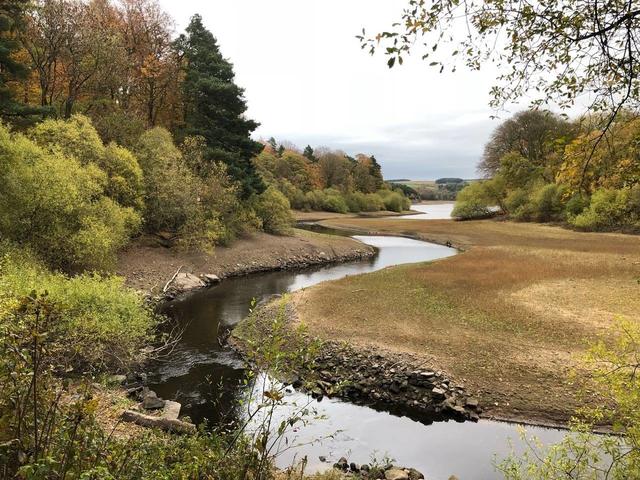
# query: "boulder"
415 474
438 393
185 282
211 279
150 401
396 474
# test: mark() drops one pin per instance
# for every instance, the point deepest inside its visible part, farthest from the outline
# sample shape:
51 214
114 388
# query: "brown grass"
510 317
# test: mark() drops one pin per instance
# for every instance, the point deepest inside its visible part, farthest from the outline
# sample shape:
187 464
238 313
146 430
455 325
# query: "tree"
214 107
558 49
308 153
11 69
533 134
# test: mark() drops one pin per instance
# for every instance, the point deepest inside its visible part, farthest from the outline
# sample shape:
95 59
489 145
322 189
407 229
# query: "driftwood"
172 279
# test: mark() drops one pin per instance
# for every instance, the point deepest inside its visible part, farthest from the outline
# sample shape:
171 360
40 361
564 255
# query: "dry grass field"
509 317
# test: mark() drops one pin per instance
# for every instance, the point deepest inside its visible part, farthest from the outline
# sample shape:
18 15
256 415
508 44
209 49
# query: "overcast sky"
307 81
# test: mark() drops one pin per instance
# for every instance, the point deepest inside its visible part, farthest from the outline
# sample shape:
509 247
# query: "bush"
471 210
335 203
78 138
103 323
57 206
608 210
474 202
394 201
273 208
546 203
576 205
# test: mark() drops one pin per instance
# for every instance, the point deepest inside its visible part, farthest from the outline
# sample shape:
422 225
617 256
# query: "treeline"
324 179
545 168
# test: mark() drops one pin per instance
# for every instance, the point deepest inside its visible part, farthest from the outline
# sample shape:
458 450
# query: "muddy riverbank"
148 264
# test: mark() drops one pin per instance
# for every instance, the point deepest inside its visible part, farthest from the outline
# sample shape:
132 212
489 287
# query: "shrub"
517 202
103 323
607 211
170 198
470 210
335 203
373 203
576 205
546 203
474 201
57 206
78 138
273 208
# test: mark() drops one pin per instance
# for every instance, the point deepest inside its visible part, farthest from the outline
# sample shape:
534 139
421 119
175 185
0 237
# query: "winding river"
207 379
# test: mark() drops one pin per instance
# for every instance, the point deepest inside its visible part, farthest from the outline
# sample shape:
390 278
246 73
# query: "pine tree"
308 153
214 107
10 69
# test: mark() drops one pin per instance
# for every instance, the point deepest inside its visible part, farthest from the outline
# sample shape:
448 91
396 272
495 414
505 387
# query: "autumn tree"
533 134
214 107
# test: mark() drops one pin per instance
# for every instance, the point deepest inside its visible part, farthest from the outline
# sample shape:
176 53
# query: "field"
510 317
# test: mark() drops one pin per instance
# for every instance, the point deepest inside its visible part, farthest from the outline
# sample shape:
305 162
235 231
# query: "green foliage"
583 455
103 324
214 107
273 208
334 202
478 200
57 206
609 210
188 195
78 138
394 201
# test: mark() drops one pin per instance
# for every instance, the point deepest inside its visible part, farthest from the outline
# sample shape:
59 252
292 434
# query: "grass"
509 318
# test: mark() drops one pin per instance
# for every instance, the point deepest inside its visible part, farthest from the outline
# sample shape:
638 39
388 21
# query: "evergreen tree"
308 153
11 12
280 150
214 107
272 142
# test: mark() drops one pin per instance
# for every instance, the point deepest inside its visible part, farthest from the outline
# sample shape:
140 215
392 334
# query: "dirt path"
509 318
146 265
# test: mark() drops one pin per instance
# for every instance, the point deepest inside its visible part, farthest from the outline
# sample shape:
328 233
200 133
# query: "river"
207 379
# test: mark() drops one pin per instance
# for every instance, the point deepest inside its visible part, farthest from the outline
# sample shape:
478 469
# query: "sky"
307 81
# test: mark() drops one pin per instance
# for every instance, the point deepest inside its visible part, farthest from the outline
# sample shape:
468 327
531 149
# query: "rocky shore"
383 380
149 266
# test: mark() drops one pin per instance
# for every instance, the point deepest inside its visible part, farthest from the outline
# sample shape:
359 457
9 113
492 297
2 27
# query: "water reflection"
435 211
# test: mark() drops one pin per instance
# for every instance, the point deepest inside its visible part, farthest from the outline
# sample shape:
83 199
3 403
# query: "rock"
150 401
171 410
354 467
211 279
364 468
185 282
415 474
438 393
396 474
471 403
341 464
322 458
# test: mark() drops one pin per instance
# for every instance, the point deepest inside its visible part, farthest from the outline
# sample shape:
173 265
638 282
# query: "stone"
150 401
353 467
438 393
342 464
472 402
415 474
396 474
211 279
364 468
171 410
322 458
185 282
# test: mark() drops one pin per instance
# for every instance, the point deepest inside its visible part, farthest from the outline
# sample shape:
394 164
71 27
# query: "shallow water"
207 379
439 211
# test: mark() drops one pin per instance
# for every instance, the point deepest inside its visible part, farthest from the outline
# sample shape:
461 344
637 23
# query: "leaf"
391 62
